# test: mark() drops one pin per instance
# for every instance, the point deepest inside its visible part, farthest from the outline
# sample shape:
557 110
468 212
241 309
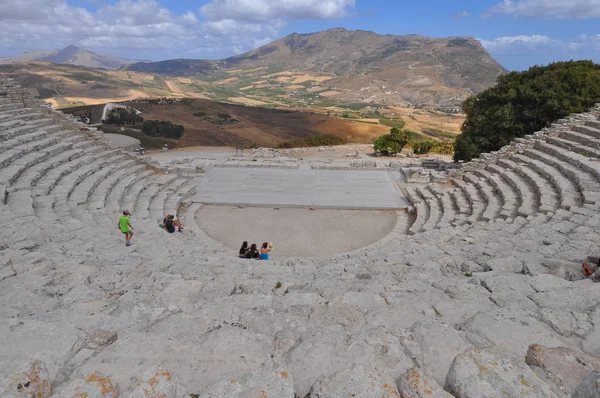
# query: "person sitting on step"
264 251
171 224
253 253
243 249
591 266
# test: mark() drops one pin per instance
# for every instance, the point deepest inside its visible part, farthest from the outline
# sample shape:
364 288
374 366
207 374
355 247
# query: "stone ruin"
485 297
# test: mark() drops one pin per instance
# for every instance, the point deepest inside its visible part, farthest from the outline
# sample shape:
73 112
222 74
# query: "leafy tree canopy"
522 103
392 143
162 128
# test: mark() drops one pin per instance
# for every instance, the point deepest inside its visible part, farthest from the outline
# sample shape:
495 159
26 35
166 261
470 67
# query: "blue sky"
518 33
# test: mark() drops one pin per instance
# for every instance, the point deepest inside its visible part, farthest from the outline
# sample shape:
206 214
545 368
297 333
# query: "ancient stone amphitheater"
485 297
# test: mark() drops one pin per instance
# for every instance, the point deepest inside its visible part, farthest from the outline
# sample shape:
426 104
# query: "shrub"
393 143
522 103
199 114
423 147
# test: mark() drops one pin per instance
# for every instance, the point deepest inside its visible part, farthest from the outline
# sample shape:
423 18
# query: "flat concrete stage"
335 189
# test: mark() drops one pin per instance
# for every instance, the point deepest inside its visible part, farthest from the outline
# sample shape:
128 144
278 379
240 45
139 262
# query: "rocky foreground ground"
486 298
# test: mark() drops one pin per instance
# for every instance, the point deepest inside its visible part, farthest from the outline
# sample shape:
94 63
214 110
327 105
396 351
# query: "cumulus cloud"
555 9
265 10
521 52
150 30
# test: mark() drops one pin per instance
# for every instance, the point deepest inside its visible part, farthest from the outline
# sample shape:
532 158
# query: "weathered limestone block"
591 344
30 381
255 383
438 345
493 373
355 382
589 387
416 384
512 331
582 296
567 323
92 385
158 382
100 338
561 368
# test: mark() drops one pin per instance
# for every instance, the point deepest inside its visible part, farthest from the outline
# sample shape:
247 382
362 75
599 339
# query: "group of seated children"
254 253
171 224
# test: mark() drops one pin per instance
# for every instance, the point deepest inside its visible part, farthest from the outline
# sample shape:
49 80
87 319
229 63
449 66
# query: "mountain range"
320 69
71 55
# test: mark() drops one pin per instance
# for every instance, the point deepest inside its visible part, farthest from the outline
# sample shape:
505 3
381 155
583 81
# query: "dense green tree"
121 116
522 103
162 128
392 143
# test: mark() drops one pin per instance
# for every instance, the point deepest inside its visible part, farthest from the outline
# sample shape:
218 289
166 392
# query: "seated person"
171 224
253 252
264 251
591 266
243 250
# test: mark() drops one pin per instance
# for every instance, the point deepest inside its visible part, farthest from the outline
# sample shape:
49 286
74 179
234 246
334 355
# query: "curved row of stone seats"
493 202
568 191
421 209
510 200
476 202
580 169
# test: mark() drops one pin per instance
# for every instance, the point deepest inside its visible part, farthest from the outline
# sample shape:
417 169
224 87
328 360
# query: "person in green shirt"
125 226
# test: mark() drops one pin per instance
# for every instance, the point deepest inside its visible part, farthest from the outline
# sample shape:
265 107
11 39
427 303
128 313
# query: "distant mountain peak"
73 55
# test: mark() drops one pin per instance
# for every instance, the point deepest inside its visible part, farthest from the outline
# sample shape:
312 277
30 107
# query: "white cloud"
519 44
265 10
149 30
555 9
462 14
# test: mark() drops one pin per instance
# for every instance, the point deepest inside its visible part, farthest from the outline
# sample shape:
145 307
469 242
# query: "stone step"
18 119
585 172
420 208
527 197
594 124
547 197
29 127
34 173
10 106
134 195
62 181
434 207
450 213
567 189
461 202
116 195
510 198
97 200
156 205
86 187
175 200
574 147
8 115
12 155
23 139
474 198
580 138
588 130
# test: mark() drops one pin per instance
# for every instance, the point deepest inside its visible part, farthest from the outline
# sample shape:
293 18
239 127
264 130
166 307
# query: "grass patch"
399 123
365 122
278 285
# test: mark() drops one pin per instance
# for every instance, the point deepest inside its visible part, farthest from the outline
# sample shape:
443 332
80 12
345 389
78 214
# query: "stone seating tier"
491 265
